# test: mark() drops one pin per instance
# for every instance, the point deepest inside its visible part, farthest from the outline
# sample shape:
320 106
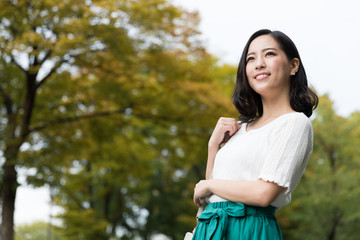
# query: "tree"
137 173
325 203
48 46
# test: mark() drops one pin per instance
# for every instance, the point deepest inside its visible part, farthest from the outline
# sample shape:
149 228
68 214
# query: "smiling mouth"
261 76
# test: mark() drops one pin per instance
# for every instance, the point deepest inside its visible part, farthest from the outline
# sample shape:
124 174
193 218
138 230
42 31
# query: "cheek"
277 63
280 66
249 74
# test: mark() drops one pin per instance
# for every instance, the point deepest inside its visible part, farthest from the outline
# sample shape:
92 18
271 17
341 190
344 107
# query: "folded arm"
256 193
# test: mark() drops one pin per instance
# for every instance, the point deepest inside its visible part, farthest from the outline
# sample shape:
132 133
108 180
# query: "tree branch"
15 62
154 118
28 105
47 55
75 119
56 67
7 101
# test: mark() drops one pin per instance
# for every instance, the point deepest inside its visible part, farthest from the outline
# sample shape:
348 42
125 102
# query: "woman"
265 157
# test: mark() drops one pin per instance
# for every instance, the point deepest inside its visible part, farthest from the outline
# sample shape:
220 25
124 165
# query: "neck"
276 106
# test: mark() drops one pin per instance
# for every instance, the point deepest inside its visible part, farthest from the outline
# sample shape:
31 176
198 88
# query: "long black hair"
248 102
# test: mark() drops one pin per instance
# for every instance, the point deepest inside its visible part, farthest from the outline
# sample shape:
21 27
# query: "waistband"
217 214
247 209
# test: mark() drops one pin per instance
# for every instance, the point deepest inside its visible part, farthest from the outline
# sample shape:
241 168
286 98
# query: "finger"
194 197
227 126
232 128
228 121
237 126
224 120
224 126
196 200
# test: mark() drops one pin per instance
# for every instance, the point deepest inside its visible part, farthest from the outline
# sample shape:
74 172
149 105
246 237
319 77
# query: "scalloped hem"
284 185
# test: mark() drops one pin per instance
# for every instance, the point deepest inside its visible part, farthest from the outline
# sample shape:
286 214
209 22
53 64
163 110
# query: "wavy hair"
248 102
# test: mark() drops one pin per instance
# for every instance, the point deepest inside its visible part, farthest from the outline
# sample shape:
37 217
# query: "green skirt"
231 221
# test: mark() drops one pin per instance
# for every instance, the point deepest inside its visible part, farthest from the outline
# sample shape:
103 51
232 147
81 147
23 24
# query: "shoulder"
296 118
296 122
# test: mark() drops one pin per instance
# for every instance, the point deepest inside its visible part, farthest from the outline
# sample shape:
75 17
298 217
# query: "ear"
294 65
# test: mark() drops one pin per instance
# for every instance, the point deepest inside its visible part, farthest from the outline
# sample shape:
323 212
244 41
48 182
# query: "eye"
270 54
249 59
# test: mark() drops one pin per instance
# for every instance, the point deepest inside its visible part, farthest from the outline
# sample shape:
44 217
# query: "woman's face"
267 67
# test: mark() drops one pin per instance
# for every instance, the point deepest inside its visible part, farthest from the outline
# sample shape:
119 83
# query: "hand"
201 190
223 126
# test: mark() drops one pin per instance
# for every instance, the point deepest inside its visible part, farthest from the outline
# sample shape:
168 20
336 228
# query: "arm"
223 125
256 193
212 150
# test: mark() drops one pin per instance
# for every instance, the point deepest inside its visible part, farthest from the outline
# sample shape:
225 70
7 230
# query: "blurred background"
106 107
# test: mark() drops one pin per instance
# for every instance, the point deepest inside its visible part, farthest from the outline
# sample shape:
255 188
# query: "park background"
127 93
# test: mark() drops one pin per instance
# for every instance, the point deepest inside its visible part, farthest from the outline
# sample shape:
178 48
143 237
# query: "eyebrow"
264 50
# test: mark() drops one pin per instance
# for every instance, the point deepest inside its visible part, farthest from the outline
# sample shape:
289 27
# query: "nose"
260 63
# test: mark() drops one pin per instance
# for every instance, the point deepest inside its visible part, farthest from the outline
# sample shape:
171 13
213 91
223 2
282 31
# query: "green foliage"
125 99
325 202
38 231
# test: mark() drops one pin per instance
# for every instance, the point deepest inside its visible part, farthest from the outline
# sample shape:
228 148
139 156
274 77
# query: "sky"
33 204
326 33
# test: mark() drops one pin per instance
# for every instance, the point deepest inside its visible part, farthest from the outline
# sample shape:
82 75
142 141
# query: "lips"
261 76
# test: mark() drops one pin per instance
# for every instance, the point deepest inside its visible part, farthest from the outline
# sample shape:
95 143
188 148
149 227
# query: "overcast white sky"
326 32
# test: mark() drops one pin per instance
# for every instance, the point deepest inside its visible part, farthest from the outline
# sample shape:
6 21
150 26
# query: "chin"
261 90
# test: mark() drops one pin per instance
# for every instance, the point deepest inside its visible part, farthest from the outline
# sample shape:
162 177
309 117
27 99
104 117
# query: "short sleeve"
289 151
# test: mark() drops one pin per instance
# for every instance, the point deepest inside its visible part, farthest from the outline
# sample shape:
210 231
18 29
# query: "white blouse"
276 152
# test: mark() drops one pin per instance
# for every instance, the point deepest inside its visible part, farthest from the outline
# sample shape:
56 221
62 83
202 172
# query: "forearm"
256 193
212 150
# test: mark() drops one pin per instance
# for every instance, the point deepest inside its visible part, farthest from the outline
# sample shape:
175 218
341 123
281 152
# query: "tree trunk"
8 193
333 231
13 142
335 223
